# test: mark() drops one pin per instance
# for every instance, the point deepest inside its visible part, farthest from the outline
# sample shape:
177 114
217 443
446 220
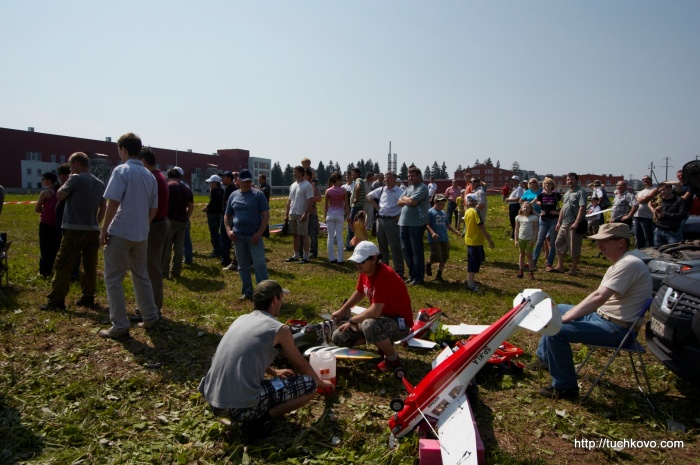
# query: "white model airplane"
441 398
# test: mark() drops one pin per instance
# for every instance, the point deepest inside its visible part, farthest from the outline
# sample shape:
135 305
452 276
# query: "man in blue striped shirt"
132 203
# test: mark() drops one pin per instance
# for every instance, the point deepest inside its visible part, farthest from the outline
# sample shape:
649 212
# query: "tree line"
285 177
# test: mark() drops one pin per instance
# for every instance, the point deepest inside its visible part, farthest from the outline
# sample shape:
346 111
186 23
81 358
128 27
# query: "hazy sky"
586 86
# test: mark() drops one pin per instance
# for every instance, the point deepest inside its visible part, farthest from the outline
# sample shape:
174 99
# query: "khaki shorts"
439 252
568 241
298 227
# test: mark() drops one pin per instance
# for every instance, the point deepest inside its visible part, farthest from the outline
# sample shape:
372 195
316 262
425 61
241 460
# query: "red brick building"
26 155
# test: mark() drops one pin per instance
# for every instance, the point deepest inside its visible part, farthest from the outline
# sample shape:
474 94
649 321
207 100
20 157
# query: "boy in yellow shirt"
474 235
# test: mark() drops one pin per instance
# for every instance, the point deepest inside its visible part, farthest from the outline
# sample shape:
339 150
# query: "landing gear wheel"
396 405
399 372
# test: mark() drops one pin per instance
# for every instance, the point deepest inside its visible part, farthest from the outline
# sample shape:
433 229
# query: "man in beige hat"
601 318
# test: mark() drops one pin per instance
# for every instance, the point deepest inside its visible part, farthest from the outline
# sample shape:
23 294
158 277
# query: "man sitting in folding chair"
603 318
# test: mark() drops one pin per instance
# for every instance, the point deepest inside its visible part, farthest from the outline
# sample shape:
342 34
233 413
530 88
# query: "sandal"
520 274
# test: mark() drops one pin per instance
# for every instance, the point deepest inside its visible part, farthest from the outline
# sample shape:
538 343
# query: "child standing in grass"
358 227
595 220
437 237
474 235
526 224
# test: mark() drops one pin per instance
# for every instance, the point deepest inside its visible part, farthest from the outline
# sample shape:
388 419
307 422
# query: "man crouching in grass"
235 385
389 316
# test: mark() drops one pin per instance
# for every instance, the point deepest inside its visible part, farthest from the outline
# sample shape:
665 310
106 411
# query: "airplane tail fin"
544 316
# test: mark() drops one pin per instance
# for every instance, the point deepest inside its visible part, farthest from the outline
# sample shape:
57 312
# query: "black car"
670 258
673 330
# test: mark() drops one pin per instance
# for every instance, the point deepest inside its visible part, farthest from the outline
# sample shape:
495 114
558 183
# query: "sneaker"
473 287
439 279
312 256
415 282
53 306
553 393
532 276
243 298
231 267
333 261
537 365
385 365
292 259
304 260
428 269
520 274
112 333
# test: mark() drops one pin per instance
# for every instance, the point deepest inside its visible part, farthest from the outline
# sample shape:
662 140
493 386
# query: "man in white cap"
514 203
601 318
235 385
389 316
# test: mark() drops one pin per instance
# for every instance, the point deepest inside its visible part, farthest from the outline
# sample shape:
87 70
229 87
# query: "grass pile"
67 396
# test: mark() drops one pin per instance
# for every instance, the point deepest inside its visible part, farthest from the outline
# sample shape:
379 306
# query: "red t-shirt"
386 287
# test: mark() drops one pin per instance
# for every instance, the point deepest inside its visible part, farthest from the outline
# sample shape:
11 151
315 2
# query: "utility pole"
667 165
652 175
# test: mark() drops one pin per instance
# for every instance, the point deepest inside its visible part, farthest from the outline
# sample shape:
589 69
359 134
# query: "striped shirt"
136 190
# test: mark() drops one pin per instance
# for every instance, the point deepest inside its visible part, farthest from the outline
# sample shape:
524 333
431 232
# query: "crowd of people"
141 218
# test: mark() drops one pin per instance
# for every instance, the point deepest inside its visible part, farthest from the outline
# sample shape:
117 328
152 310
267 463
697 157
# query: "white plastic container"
323 364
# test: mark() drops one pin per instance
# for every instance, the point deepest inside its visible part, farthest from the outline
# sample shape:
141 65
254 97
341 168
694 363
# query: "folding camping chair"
629 344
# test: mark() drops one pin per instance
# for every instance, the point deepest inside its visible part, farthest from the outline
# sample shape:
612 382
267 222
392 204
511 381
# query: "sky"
593 86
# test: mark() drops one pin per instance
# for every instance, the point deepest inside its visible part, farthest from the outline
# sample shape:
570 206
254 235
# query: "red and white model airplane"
441 398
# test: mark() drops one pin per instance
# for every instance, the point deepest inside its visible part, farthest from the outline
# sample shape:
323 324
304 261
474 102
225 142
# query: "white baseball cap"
363 251
517 178
214 178
182 172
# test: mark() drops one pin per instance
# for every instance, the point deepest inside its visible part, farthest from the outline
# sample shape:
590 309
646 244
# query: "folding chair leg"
580 367
646 379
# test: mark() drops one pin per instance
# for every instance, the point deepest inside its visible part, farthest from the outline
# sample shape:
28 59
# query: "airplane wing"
460 443
464 329
419 343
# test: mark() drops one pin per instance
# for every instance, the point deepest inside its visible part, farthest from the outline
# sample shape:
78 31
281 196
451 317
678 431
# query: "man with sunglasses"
604 317
644 217
389 316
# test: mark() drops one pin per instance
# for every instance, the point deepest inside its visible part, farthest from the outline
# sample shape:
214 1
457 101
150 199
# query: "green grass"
67 396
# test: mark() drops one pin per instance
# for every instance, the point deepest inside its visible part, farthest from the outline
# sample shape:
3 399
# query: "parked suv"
673 330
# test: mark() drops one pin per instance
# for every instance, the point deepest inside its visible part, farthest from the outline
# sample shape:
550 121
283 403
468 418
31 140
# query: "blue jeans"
666 236
451 207
546 227
413 251
245 252
556 350
644 232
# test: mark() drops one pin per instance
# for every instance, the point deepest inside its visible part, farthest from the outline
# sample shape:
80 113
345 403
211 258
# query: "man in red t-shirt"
389 316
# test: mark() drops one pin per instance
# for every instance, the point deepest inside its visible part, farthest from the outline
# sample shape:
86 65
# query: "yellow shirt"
472 232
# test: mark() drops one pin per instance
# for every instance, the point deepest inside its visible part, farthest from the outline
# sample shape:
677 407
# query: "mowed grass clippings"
67 396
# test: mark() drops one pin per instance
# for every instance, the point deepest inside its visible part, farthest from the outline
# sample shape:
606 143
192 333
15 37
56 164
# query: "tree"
515 167
426 173
276 175
476 162
459 167
337 167
435 171
498 163
404 171
443 171
288 176
351 167
376 168
488 162
321 174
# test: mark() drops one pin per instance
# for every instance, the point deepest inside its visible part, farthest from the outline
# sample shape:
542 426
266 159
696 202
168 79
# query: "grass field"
67 396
